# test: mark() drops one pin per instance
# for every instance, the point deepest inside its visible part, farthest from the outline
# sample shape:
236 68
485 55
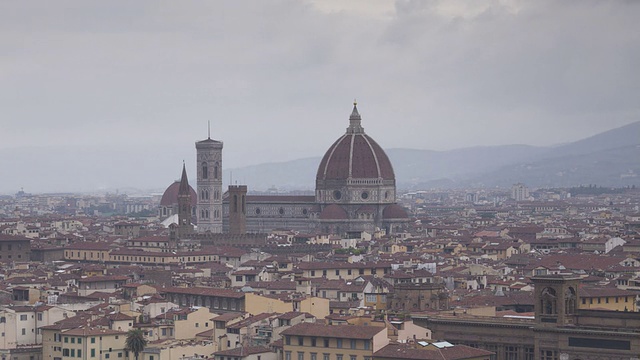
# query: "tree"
135 341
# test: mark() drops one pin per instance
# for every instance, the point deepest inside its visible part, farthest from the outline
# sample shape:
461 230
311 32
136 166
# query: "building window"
548 355
367 345
73 353
287 355
23 317
24 331
339 357
511 353
79 353
205 171
339 343
326 342
287 340
353 344
65 352
93 352
314 356
528 353
325 356
300 341
300 355
79 340
352 357
313 341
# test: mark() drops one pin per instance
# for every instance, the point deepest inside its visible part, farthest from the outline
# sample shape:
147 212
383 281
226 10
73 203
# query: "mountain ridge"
610 158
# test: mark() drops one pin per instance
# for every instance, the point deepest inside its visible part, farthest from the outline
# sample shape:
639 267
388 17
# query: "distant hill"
611 158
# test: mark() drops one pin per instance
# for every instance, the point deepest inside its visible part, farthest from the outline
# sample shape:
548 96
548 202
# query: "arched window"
206 214
548 302
215 171
570 300
206 194
235 203
205 171
202 213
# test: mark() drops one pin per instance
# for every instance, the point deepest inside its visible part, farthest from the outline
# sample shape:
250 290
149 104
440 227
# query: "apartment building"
309 341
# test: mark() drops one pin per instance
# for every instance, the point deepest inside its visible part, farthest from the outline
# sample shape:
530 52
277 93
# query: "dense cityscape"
356 270
320 180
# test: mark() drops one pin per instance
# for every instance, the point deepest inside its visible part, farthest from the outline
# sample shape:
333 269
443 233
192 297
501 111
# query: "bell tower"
556 299
209 165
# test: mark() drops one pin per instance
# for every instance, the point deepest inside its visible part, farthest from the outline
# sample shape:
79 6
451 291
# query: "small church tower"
184 205
209 164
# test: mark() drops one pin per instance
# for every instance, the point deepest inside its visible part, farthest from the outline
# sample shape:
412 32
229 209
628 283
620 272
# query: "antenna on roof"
208 129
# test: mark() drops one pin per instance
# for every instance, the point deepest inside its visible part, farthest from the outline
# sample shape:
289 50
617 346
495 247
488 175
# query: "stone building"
14 248
418 297
560 330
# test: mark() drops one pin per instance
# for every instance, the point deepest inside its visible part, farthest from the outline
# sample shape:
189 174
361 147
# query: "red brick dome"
170 196
355 155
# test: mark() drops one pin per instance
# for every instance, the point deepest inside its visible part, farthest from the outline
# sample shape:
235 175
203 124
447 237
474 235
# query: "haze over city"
133 85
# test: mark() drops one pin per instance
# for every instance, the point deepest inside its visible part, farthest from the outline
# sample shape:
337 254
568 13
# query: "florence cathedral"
355 192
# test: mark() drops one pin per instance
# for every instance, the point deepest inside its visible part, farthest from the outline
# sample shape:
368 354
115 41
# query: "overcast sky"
277 78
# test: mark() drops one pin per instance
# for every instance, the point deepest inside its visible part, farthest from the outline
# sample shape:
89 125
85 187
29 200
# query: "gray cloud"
276 78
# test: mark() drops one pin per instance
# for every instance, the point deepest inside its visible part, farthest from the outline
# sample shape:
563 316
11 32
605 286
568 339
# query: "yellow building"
613 299
343 270
92 343
257 304
87 251
332 342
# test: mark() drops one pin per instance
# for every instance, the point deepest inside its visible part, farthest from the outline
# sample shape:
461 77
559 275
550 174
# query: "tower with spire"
184 204
209 184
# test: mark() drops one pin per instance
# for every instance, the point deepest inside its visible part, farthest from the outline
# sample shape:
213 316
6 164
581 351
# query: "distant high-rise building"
209 180
519 192
471 198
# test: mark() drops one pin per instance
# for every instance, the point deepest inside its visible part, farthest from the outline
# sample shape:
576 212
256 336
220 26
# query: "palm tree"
135 341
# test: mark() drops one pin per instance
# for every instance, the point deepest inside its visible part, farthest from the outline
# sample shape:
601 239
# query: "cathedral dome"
355 155
170 196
